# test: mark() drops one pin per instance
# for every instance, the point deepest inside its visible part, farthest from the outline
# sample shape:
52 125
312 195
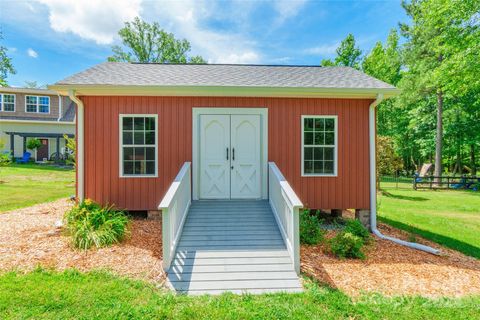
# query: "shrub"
310 231
347 245
5 159
90 224
356 228
33 144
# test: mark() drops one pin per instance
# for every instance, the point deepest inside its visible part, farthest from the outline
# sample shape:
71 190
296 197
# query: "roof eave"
224 91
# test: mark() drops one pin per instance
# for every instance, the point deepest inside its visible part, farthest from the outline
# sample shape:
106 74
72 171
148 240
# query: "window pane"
43 109
31 100
44 100
139 138
127 138
127 123
329 154
308 124
329 167
308 153
150 153
329 138
318 166
318 154
319 138
139 153
127 153
128 167
139 167
150 168
31 108
150 137
8 106
319 124
308 138
329 124
8 98
150 123
308 166
139 123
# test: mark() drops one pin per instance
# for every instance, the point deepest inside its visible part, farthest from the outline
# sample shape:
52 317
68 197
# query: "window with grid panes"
319 145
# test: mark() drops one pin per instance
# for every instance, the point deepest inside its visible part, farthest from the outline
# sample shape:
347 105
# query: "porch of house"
213 246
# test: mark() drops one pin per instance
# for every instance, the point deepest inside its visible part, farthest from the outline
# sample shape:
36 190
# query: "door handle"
233 154
227 153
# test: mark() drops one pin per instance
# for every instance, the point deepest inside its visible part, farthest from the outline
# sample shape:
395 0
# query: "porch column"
57 160
12 145
24 144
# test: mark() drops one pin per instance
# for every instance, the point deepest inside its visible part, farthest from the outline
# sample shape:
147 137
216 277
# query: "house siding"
350 189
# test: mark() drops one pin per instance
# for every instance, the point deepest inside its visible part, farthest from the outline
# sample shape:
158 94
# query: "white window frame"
2 104
335 151
120 137
38 104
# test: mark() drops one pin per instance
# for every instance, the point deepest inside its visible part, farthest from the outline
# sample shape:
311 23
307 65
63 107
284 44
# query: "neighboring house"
252 142
35 113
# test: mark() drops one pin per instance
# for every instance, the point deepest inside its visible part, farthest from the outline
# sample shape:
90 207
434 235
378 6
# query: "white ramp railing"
174 206
285 206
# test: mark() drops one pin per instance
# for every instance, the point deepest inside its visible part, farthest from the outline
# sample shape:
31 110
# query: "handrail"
285 206
174 206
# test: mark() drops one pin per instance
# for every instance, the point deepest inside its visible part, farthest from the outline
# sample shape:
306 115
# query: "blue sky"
51 39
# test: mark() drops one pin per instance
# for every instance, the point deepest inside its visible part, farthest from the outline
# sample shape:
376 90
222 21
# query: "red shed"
157 136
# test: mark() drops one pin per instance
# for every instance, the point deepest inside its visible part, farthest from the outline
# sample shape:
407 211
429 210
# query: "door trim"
196 112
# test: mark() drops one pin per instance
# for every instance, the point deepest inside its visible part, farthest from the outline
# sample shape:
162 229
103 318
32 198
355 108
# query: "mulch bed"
29 238
392 269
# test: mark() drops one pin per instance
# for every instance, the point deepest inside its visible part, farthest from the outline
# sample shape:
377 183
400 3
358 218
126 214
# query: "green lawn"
29 184
448 217
98 295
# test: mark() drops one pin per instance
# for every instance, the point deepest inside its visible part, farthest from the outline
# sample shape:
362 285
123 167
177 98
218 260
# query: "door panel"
245 163
214 161
42 152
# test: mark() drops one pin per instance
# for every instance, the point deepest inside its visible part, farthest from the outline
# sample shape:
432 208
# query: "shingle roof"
222 75
69 114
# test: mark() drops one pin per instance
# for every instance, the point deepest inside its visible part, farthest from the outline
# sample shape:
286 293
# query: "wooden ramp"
232 246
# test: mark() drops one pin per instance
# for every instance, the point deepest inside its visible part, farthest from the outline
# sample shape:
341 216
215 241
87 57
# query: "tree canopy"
6 66
145 42
348 54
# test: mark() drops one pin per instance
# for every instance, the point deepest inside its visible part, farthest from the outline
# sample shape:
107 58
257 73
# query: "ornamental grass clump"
89 224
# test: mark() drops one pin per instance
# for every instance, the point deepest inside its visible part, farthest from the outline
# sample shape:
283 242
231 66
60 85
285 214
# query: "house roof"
247 78
27 91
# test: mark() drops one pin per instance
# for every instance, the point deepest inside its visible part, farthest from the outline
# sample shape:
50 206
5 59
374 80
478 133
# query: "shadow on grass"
402 197
455 244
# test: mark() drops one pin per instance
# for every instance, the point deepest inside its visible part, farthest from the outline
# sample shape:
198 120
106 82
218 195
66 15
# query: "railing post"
166 237
296 239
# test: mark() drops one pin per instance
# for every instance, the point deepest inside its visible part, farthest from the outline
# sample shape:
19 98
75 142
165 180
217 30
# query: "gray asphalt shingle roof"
140 74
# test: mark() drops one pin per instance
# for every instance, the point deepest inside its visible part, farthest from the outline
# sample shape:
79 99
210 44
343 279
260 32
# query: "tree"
145 42
348 54
6 66
441 38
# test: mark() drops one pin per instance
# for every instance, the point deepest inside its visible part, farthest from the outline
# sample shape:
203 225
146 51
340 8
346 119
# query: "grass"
448 217
98 295
23 185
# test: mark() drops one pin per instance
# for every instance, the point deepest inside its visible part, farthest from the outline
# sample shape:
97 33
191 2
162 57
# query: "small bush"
357 228
33 144
347 245
90 224
310 228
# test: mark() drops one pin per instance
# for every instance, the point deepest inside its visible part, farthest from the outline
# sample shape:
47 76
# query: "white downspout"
80 145
59 107
373 187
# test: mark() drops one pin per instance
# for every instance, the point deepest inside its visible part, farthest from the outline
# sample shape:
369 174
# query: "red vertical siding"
350 189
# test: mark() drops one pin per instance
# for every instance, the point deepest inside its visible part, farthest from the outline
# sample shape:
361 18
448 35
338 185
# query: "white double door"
230 155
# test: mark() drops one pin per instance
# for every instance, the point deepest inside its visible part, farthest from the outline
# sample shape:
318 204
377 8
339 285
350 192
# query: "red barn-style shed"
162 136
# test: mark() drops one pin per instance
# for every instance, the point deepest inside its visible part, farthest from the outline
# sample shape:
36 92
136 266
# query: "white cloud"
325 49
189 19
287 9
93 20
32 53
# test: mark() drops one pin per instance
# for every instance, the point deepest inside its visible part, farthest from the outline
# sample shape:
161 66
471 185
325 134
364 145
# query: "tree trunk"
438 147
472 160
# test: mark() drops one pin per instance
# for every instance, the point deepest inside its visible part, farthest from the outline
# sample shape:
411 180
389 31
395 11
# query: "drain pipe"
373 188
80 145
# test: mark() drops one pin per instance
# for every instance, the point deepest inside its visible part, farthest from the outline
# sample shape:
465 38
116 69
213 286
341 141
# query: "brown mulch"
29 238
393 270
